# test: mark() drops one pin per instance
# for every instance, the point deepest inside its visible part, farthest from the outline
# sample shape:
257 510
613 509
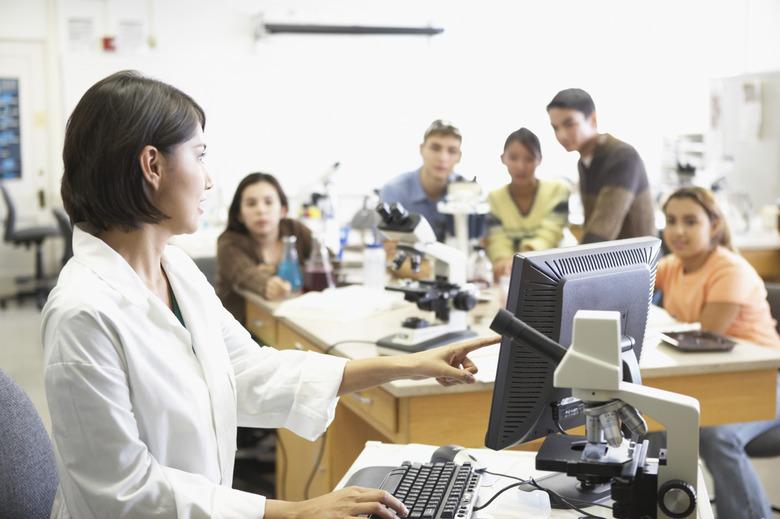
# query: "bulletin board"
10 134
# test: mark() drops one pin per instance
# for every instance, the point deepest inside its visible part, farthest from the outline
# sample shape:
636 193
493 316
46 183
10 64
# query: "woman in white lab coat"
147 375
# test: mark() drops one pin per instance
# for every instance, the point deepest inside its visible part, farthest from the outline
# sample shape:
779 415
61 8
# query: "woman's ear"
716 226
150 162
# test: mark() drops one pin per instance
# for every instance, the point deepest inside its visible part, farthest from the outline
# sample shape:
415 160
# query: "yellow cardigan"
509 230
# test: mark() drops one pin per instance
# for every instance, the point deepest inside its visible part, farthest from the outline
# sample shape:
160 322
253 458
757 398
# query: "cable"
307 487
513 485
330 348
282 490
559 498
553 495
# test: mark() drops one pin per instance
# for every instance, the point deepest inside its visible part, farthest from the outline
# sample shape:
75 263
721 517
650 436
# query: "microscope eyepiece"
384 211
398 212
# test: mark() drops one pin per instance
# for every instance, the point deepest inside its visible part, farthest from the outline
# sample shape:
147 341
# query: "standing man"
614 188
420 190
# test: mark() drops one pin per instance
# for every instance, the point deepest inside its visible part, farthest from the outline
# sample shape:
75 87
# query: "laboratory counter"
735 386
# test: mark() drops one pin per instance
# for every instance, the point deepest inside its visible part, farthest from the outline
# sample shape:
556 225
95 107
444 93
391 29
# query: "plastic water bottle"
479 268
374 265
289 268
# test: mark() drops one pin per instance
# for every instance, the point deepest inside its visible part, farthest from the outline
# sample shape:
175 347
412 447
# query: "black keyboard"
433 490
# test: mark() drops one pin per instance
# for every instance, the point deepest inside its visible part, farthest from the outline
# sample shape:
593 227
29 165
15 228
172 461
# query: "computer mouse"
455 453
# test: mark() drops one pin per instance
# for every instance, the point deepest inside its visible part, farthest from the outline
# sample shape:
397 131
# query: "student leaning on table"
147 375
250 249
704 280
528 213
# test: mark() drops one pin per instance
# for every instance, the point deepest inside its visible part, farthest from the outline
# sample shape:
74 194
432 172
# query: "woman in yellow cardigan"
528 213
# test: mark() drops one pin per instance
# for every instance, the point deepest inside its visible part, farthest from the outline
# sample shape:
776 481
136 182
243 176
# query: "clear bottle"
290 267
374 265
479 269
318 272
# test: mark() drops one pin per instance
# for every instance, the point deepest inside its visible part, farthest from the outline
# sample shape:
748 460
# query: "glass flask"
318 272
290 268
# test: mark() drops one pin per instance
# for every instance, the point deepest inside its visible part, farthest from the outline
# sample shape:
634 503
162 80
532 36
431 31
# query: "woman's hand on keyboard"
450 364
341 504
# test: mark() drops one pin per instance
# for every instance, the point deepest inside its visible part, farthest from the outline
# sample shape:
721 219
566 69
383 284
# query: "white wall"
293 104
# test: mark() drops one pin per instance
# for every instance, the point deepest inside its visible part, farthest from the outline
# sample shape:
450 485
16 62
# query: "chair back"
208 265
773 297
28 472
63 220
10 215
765 445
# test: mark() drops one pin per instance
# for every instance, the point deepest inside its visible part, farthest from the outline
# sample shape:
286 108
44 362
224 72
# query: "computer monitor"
546 289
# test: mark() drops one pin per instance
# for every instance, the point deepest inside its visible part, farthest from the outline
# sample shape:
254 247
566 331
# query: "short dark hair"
573 99
233 223
102 182
528 139
442 127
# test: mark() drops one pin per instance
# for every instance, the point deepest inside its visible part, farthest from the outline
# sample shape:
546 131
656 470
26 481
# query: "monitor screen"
546 289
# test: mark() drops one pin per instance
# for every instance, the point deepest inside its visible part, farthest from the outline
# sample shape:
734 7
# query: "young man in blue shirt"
420 190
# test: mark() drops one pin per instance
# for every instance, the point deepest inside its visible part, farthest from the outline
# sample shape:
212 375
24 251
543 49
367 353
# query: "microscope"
641 487
447 295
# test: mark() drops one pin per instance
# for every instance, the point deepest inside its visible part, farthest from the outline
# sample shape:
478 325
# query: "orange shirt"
726 277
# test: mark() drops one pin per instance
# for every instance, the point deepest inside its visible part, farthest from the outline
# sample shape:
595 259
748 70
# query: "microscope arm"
592 368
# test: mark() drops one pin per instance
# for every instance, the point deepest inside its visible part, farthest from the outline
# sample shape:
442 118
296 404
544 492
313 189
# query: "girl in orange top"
705 280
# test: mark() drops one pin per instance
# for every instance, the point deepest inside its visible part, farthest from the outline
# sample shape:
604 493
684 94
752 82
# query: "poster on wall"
10 141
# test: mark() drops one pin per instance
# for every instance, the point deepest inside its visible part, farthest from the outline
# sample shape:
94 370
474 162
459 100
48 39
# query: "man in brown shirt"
614 188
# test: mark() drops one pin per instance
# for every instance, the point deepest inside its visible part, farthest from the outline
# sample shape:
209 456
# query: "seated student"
147 375
419 191
703 280
614 188
250 249
528 213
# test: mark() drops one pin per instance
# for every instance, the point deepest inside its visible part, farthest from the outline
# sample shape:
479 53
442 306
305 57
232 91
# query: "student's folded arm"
614 200
238 268
499 243
718 317
609 211
549 234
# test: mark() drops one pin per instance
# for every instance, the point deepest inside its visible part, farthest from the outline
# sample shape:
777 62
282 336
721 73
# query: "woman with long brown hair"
705 280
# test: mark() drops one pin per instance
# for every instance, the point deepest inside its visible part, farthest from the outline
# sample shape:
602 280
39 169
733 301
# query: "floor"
21 356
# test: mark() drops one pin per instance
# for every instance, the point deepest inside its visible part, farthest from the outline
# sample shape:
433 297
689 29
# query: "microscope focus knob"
677 498
465 300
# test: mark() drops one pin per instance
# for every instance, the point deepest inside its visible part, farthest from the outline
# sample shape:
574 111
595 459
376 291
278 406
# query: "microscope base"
399 343
571 490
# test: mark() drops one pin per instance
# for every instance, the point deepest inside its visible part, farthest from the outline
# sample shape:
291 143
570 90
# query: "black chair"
37 286
767 445
28 472
208 265
63 220
773 298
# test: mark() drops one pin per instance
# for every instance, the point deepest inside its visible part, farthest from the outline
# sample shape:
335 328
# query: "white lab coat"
144 411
